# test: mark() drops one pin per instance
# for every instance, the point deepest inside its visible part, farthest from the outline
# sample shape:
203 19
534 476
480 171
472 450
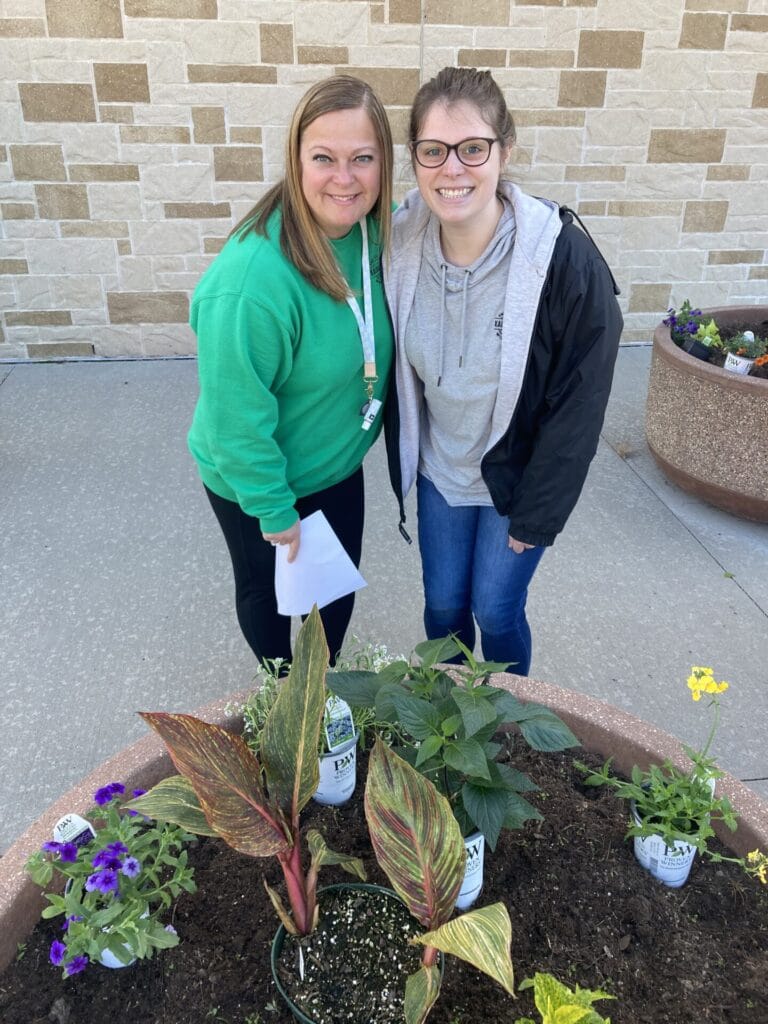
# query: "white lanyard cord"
365 325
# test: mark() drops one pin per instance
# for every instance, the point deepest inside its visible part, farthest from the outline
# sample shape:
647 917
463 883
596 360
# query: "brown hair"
301 239
464 85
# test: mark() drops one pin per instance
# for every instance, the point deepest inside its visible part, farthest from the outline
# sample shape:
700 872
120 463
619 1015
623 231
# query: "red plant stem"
429 957
290 862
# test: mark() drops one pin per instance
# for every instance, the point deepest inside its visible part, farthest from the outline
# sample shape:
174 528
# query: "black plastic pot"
698 350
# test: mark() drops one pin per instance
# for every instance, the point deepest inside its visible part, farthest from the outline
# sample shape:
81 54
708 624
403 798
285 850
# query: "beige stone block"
643 208
212 244
758 273
550 119
38 317
610 49
131 134
103 172
175 9
558 146
94 229
116 114
118 341
59 349
175 182
147 307
649 298
376 13
703 215
79 20
12 266
56 102
407 11
124 247
760 95
17 211
165 238
121 201
582 89
749 23
703 31
466 12
121 83
323 55
168 341
393 86
238 163
686 145
197 211
251 73
38 163
21 28
541 58
728 172
276 43
580 3
208 124
482 58
731 6
331 24
601 172
591 208
244 133
75 256
62 202
721 256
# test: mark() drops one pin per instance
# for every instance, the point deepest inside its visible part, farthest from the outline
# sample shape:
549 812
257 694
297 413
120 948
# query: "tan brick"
11 266
238 163
466 12
93 228
728 172
171 9
116 114
38 163
104 172
760 95
749 23
17 211
595 172
251 73
198 211
703 32
148 307
141 134
121 83
580 3
3 154
213 245
482 58
208 124
539 3
541 58
276 43
609 49
644 208
727 256
591 208
649 298
59 101
758 273
78 20
717 5
62 202
59 349
550 119
323 55
21 28
393 86
407 12
686 145
705 215
582 89
39 318
124 247
376 13
245 133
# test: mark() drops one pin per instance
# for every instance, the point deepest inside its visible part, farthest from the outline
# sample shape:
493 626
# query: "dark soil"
580 905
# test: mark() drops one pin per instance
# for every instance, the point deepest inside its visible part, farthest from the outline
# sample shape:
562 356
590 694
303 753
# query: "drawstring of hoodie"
463 338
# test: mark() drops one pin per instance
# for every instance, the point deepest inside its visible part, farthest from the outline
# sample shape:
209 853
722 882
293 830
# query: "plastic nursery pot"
698 350
472 882
338 774
738 364
671 865
373 991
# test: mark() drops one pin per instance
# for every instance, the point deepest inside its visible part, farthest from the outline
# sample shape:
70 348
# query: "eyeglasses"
470 152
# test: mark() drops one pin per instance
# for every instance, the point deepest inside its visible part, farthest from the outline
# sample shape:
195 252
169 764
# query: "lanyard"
365 324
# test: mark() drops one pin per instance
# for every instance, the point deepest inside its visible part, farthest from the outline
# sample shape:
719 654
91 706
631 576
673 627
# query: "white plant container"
472 882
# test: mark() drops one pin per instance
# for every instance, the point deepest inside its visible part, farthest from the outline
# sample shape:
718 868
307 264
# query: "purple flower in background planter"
104 859
106 793
68 852
57 953
131 867
104 881
76 966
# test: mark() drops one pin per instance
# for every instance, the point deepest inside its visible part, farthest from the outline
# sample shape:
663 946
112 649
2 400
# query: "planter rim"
601 727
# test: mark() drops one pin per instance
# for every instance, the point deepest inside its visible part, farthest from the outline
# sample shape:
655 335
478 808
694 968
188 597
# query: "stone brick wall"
134 133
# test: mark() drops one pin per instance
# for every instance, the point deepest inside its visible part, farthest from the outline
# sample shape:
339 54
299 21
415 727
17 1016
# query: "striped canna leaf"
415 837
421 991
226 778
482 938
291 736
173 799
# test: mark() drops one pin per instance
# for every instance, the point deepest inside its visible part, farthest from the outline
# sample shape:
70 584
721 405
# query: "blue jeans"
471 573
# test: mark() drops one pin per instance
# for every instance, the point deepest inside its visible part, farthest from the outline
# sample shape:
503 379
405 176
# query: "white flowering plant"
116 884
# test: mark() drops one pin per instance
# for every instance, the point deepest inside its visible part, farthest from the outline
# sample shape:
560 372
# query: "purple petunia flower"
75 966
131 867
103 859
171 929
51 847
103 796
57 953
116 849
68 852
104 881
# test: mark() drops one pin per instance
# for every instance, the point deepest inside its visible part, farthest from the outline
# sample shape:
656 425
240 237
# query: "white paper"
322 571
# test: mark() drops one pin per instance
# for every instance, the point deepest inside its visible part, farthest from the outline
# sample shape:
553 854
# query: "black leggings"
253 562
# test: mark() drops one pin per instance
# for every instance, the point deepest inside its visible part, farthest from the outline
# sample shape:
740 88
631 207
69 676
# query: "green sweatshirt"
281 375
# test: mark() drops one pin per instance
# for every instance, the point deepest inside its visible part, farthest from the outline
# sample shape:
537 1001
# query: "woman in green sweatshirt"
294 347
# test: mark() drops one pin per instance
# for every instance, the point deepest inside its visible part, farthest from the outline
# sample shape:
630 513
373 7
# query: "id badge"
371 412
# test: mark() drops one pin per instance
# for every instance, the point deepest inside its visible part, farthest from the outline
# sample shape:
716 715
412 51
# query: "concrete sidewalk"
116 595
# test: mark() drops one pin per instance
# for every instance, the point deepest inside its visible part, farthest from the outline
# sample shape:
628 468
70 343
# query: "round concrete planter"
707 428
601 728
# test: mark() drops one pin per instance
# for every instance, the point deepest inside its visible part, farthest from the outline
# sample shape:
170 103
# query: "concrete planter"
707 428
602 729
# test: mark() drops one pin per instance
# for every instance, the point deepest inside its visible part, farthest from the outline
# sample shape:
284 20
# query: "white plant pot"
338 774
671 865
472 883
738 364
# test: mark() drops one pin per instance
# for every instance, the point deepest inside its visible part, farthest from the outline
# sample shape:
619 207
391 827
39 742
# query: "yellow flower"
701 680
759 867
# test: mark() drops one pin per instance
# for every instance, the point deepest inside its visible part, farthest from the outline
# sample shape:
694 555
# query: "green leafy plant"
254 804
117 884
708 334
444 723
746 345
418 844
557 1004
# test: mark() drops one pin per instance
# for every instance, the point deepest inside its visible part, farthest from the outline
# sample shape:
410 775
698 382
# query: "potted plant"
558 1004
120 874
684 327
742 351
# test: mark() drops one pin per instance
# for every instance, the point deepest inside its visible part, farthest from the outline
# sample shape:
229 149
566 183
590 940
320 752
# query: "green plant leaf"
429 748
418 717
482 938
323 856
421 992
466 756
476 710
415 837
487 807
515 779
519 811
543 730
435 652
357 688
173 799
291 735
226 778
385 701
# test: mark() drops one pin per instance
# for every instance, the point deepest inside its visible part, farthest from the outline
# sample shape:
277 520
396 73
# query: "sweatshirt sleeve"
244 355
586 323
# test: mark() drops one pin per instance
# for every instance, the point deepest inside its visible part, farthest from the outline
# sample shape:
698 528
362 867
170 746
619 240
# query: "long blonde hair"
301 239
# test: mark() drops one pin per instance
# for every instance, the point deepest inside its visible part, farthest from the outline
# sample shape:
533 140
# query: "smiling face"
460 196
340 169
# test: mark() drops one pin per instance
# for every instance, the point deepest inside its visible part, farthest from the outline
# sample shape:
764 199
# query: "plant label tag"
73 829
339 727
